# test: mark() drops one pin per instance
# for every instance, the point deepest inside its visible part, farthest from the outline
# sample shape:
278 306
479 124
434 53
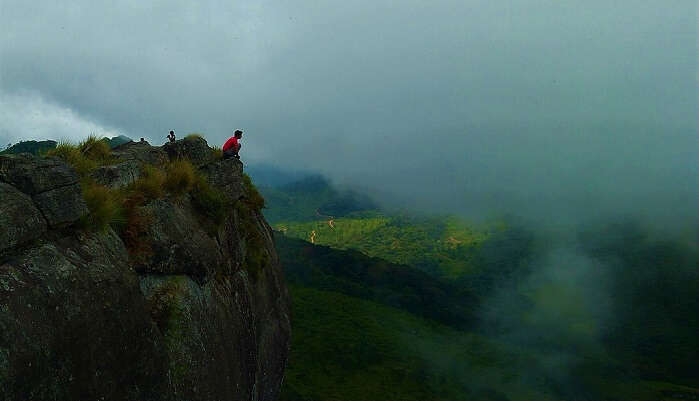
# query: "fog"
552 110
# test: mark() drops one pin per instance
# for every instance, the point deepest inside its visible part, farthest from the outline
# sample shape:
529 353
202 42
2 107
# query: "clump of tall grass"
85 156
180 177
217 152
105 205
96 149
151 183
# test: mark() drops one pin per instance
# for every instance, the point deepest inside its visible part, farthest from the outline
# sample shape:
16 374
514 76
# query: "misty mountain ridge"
577 303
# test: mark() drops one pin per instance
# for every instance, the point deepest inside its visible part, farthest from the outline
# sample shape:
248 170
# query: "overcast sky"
561 108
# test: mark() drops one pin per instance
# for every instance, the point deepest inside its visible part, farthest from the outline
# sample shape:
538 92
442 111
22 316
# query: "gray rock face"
33 175
74 325
191 310
140 152
20 221
226 175
62 206
117 175
180 244
193 148
52 184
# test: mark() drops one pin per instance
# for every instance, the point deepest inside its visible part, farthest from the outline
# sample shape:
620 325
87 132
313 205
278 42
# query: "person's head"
238 133
172 132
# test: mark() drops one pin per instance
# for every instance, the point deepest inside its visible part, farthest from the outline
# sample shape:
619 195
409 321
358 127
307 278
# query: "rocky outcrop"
118 175
53 186
192 309
20 220
192 147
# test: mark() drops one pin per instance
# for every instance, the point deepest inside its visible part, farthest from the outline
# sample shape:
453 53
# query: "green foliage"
105 205
180 177
443 246
210 201
85 156
256 256
217 152
305 199
151 183
355 274
344 348
547 339
96 149
194 135
252 195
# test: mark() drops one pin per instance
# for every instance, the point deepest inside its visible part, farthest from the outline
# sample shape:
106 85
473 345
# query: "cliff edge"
169 301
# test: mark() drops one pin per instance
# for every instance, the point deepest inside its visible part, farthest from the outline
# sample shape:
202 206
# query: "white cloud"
28 115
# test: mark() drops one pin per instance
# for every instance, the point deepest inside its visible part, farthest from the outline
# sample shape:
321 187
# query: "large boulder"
117 175
34 175
20 221
226 175
63 205
179 243
140 152
194 148
51 183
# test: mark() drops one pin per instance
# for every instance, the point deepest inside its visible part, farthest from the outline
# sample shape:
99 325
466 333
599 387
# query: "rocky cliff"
190 307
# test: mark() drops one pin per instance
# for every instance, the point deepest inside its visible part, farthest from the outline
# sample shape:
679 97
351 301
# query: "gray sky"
557 108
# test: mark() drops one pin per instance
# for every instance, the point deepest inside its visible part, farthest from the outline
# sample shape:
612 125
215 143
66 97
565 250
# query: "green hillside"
399 306
33 147
444 246
38 147
345 348
354 339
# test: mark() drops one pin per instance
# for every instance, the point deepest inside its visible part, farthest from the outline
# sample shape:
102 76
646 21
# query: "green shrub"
105 205
180 177
209 200
96 149
194 135
217 152
150 183
252 195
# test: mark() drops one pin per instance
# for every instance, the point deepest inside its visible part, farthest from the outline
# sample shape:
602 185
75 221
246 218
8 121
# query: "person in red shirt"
232 146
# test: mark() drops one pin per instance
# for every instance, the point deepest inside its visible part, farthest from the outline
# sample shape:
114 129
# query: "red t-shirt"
232 142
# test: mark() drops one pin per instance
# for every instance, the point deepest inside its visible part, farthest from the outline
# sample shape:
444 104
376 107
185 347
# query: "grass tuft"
151 183
105 205
85 156
180 177
210 201
217 152
96 149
